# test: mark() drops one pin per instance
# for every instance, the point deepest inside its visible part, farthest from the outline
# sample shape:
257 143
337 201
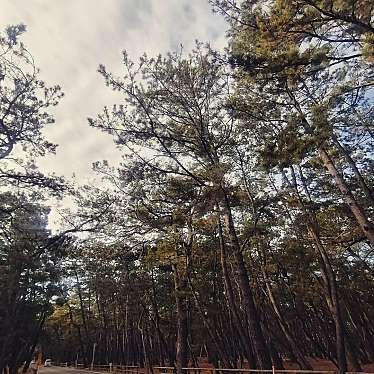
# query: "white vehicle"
48 362
34 367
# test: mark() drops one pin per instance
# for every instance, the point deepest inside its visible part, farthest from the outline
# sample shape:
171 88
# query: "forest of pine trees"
238 228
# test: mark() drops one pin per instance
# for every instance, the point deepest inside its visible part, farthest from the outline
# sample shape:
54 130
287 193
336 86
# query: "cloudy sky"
70 38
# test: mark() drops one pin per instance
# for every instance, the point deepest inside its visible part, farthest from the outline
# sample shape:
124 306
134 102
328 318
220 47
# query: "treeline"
30 257
239 224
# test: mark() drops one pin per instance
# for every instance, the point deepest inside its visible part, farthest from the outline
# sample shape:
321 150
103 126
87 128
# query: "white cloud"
69 38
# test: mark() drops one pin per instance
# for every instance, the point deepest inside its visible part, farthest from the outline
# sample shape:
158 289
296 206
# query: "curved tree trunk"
332 300
366 226
261 351
328 276
181 309
243 337
303 363
366 189
215 339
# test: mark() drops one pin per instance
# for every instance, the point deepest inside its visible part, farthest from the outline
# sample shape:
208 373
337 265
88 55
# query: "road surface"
62 370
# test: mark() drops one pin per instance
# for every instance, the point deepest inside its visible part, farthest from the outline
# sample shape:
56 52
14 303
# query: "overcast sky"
70 38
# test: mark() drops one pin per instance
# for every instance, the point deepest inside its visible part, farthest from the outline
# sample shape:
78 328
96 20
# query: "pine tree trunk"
303 363
332 301
244 339
35 341
161 340
181 309
366 226
82 310
215 339
261 352
367 191
328 277
81 343
352 353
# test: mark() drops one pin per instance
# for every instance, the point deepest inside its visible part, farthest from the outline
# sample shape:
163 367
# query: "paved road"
61 370
56 370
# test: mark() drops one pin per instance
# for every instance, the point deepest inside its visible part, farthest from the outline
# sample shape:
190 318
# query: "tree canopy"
238 229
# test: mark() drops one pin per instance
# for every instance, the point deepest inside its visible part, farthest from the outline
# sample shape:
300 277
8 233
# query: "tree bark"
243 337
161 339
303 363
215 339
81 343
366 226
180 300
328 276
366 189
35 341
261 351
332 300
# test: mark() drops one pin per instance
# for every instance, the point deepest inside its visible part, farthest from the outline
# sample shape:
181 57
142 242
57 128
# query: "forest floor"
317 364
325 365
